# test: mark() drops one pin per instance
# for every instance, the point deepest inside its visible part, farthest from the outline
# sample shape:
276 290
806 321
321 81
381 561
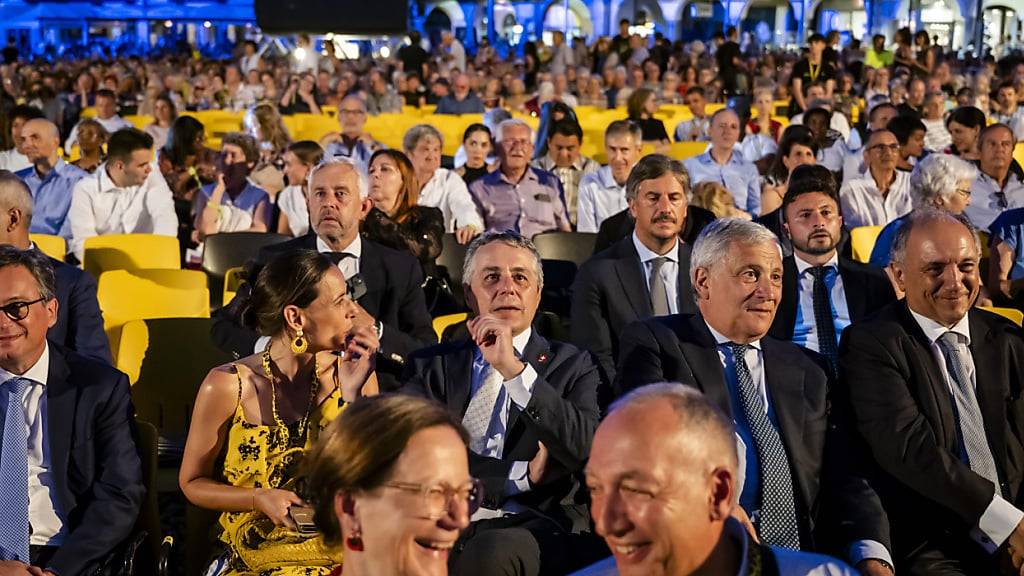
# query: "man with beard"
233 203
822 292
643 275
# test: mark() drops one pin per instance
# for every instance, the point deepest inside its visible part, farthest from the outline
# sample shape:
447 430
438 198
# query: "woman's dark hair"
793 135
359 449
181 139
409 196
291 279
474 128
635 104
968 116
308 152
166 98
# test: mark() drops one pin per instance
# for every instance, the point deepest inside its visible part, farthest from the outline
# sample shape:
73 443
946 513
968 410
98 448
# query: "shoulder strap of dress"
238 376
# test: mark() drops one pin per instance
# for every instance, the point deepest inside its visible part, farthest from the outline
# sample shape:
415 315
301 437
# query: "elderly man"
936 137
822 292
79 324
106 115
934 393
15 159
385 283
440 187
50 179
603 193
723 165
354 143
126 196
775 391
530 407
664 479
72 480
565 161
518 196
883 193
461 100
996 188
641 276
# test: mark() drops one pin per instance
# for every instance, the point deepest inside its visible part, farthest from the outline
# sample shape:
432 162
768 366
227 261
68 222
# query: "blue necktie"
824 321
14 526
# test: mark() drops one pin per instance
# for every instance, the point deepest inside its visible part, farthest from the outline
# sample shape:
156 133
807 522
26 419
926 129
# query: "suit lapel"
785 387
935 392
786 315
537 354
458 375
991 390
60 418
700 350
684 289
371 268
633 285
854 288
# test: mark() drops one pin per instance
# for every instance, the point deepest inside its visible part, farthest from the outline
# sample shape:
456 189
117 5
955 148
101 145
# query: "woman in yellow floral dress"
255 418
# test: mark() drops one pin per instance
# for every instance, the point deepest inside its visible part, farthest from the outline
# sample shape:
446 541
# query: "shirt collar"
933 330
722 340
803 266
531 174
734 158
355 248
607 179
106 183
646 254
548 164
37 373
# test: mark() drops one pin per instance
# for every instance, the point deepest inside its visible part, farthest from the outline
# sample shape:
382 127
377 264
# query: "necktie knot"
16 386
337 257
821 272
739 351
657 262
950 340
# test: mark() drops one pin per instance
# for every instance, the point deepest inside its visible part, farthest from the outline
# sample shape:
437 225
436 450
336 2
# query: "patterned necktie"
777 525
972 427
14 526
480 410
659 292
824 320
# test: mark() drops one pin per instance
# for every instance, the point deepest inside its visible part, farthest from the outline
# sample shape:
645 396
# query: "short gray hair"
654 166
37 263
363 183
499 131
14 193
938 176
714 241
923 216
508 237
418 132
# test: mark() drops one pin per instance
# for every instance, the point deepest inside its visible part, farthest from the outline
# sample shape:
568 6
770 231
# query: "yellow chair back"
685 150
143 294
130 252
131 350
1009 313
232 280
862 241
443 322
53 246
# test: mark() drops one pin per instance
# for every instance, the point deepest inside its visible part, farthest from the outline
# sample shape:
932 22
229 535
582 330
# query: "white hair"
938 176
499 132
714 241
362 180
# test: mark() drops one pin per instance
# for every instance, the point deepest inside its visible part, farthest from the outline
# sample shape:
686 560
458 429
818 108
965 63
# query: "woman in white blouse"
439 187
299 158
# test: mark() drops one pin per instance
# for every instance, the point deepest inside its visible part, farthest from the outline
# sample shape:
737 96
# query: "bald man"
724 164
49 179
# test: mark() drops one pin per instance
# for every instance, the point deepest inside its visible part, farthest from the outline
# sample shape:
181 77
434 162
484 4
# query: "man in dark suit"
619 226
392 300
530 406
646 274
70 476
822 291
79 324
935 388
774 390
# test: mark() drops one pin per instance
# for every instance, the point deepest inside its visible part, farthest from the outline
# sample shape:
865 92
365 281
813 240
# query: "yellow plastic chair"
52 246
130 252
232 280
140 121
1009 313
685 150
441 323
1018 153
862 241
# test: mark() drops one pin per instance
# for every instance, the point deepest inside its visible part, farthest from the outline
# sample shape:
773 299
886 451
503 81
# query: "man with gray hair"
50 179
723 163
530 406
603 193
933 387
518 196
644 275
664 480
354 142
384 283
462 100
775 391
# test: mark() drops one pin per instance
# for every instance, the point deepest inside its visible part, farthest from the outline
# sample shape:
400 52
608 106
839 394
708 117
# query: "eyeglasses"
964 192
437 498
894 148
351 112
19 310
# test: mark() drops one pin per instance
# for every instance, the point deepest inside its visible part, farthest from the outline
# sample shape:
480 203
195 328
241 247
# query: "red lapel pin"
542 357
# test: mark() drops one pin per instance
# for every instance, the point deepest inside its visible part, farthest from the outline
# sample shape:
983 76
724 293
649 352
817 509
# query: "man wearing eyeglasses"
354 142
883 193
518 196
1000 182
70 476
530 406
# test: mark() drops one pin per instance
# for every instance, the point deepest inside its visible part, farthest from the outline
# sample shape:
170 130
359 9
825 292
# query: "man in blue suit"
70 476
79 324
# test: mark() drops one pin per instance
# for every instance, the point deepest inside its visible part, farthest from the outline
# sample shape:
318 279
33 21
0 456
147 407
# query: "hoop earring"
354 542
299 344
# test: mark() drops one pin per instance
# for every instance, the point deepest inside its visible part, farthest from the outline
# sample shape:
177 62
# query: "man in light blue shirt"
723 165
50 179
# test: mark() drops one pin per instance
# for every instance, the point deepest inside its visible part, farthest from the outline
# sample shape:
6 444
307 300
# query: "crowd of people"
726 389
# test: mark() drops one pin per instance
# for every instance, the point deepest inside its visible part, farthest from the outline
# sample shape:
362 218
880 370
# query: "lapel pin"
542 357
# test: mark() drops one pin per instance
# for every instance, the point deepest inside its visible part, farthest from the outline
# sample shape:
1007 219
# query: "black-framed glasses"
437 498
19 310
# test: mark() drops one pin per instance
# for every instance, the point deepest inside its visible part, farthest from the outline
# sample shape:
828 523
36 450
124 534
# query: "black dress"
653 130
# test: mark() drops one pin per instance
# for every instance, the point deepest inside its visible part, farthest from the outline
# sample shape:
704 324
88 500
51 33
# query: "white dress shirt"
1001 517
599 197
686 128
863 204
13 160
986 204
669 270
936 136
805 331
43 516
447 191
98 207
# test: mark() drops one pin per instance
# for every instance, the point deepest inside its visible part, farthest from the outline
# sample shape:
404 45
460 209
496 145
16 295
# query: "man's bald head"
15 210
41 140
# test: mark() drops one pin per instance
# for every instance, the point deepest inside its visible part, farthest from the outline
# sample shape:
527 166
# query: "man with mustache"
822 292
934 388
530 406
644 275
775 391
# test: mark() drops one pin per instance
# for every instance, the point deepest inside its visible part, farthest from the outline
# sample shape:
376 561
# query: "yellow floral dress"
268 456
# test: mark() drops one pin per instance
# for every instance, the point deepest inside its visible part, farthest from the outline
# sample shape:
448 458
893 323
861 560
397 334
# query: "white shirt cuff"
518 478
261 344
996 524
869 550
520 388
